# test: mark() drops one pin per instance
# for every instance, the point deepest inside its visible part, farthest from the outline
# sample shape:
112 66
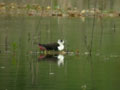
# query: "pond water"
21 68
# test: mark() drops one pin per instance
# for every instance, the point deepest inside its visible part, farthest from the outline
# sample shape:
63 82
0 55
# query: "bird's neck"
60 47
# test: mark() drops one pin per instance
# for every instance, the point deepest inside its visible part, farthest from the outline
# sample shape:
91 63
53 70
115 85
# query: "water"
20 68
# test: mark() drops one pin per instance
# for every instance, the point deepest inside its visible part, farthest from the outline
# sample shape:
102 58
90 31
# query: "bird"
58 46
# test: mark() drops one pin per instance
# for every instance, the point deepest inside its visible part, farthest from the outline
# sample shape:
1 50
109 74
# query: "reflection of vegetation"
14 59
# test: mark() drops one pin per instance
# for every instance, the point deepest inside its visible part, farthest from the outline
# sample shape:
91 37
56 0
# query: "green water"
21 70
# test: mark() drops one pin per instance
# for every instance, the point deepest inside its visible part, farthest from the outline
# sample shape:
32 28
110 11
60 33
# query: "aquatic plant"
15 9
14 46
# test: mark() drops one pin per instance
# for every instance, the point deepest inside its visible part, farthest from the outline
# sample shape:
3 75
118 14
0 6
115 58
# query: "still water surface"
21 69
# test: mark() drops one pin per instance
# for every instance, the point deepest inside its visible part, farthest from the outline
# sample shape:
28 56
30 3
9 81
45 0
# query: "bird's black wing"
51 46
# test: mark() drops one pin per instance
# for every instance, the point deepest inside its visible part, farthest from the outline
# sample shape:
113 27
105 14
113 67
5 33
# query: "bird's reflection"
59 58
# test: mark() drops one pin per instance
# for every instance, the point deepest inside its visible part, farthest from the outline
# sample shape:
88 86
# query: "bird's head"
60 41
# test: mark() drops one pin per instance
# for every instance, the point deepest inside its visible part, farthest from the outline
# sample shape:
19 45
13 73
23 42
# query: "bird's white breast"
61 47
